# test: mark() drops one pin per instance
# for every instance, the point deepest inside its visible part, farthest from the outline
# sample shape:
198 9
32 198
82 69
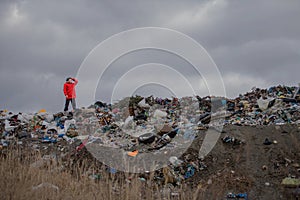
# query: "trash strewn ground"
256 157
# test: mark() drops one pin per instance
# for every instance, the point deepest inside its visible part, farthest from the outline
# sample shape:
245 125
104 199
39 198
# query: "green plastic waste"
290 182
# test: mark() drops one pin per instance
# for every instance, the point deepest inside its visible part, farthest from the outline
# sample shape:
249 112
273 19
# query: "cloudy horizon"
253 43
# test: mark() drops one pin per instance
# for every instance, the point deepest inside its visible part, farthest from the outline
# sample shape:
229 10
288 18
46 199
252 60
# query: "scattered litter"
232 140
237 196
267 142
137 124
267 184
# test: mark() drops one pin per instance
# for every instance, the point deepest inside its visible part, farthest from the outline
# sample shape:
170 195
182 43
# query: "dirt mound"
252 167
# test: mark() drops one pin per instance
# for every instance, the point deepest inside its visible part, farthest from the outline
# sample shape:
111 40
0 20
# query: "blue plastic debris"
47 139
190 171
237 196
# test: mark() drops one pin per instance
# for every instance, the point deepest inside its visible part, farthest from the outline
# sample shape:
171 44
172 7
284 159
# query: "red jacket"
69 89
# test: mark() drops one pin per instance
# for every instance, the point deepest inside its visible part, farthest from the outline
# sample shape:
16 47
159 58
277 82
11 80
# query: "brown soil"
239 168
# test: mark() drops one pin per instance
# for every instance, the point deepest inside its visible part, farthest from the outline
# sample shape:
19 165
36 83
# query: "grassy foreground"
20 179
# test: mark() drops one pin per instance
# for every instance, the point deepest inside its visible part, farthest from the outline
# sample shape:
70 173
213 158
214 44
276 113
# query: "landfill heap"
138 125
276 105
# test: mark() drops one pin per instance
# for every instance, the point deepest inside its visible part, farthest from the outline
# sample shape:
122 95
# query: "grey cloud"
43 42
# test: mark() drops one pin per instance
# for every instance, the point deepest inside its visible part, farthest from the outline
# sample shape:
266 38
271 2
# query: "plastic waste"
175 161
143 104
190 171
160 114
147 138
133 153
128 122
237 196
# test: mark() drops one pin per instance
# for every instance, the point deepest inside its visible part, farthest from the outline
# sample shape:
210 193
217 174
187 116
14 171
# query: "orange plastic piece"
133 153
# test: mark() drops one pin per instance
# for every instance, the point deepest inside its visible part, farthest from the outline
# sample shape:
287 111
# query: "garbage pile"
137 125
277 105
141 125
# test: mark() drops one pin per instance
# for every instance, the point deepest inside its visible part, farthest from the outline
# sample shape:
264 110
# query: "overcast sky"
253 43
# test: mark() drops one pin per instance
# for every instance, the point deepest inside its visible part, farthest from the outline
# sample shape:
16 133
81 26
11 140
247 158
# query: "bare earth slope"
252 167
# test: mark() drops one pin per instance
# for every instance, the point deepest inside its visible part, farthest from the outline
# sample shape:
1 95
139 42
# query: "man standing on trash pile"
69 91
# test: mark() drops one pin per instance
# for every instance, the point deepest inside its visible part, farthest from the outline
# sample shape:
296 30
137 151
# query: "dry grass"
20 179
